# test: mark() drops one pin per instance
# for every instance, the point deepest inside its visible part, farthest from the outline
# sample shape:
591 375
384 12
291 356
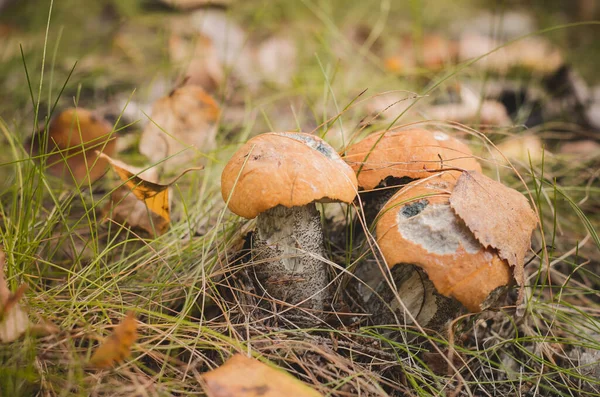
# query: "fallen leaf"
514 23
125 208
13 319
43 328
141 202
145 196
469 108
199 58
191 4
523 148
12 300
433 52
13 324
182 123
582 149
74 137
437 51
230 42
241 376
154 195
498 216
276 58
532 53
117 346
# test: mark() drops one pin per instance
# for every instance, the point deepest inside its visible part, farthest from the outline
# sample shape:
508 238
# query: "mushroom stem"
287 251
429 308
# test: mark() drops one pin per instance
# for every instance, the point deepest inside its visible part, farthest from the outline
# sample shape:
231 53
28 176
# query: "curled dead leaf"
125 208
498 216
117 346
241 376
141 203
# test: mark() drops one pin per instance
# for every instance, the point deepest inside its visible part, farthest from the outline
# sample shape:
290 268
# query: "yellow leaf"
117 346
241 376
125 208
155 196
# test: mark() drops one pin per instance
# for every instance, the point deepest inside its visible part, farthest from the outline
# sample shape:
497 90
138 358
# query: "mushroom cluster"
440 258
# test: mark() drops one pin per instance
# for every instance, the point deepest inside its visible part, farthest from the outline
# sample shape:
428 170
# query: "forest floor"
339 69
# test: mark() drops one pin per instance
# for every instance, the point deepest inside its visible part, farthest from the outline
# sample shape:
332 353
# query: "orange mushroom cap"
418 226
285 168
406 153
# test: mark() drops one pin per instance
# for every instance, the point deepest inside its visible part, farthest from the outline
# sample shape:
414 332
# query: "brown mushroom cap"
406 153
289 169
418 226
78 133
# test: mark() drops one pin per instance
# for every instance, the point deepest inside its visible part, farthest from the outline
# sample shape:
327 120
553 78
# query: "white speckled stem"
288 251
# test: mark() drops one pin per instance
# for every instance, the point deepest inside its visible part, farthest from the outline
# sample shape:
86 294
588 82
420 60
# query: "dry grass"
191 288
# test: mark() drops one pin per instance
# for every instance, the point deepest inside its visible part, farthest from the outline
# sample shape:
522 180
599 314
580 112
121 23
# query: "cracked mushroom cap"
406 153
418 226
285 168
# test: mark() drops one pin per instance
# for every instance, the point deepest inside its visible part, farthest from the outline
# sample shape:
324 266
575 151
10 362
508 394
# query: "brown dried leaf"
498 216
241 376
43 328
155 196
125 208
117 346
523 148
182 124
192 4
13 324
532 53
13 319
199 58
140 203
75 136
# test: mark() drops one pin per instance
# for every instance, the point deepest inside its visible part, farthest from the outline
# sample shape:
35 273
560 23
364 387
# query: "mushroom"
385 161
437 263
278 177
75 138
